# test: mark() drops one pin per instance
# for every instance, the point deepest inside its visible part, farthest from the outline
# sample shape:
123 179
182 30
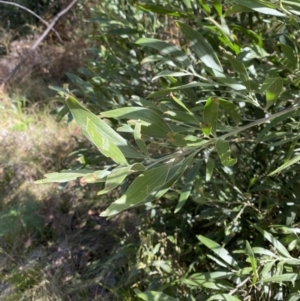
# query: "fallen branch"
38 41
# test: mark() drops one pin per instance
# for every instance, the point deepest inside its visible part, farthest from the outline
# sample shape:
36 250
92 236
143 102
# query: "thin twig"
39 40
33 13
42 37
238 286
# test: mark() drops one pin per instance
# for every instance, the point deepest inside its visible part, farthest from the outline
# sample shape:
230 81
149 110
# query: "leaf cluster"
212 144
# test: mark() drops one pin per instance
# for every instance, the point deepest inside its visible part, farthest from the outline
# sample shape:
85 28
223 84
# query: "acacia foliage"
213 142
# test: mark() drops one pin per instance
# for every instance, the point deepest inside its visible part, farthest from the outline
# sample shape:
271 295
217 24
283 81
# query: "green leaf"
162 264
184 140
166 49
289 277
205 6
180 103
272 87
167 73
175 173
97 176
69 175
81 115
218 250
263 251
228 81
253 263
104 145
115 178
147 104
294 297
208 280
182 87
210 275
138 139
276 243
187 188
223 150
160 10
201 47
210 165
291 60
260 8
183 117
285 165
144 185
241 70
267 269
154 296
231 109
154 125
210 115
224 297
235 9
274 122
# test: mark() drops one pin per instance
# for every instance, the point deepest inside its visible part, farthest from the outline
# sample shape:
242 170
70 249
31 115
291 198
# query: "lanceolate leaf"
291 59
166 49
241 70
104 145
182 117
210 115
144 185
275 122
118 175
201 47
97 176
276 243
138 139
224 154
259 7
180 103
70 175
115 179
218 250
153 296
151 185
237 9
272 87
166 73
253 263
186 190
230 82
137 113
210 165
81 115
285 165
290 277
231 109
182 87
160 10
223 297
155 127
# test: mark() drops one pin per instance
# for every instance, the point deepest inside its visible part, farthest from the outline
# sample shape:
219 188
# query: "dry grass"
45 66
54 245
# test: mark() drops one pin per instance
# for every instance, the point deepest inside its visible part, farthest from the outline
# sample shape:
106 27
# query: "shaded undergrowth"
54 244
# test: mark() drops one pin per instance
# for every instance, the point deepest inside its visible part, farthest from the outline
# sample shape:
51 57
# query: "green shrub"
213 147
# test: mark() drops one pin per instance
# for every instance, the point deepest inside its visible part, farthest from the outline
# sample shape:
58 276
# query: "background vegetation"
195 164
